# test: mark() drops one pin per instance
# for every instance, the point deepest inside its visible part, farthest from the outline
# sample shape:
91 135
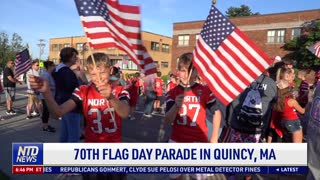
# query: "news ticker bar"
160 169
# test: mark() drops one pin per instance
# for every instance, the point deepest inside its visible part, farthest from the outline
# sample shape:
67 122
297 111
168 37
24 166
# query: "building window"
157 64
130 65
60 46
183 40
197 36
79 46
54 60
295 33
276 36
165 48
85 47
164 64
66 45
55 47
155 46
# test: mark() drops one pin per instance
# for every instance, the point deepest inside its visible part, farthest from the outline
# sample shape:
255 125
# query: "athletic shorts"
10 93
33 99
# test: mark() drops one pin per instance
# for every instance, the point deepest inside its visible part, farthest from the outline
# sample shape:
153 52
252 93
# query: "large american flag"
23 62
110 24
227 59
315 49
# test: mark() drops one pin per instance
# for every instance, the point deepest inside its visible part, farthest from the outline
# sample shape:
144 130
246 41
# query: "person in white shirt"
33 101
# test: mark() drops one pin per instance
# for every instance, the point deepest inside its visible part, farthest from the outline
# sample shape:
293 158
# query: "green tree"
8 49
299 45
243 10
16 43
4 48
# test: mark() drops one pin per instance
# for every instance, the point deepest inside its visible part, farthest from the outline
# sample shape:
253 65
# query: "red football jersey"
171 85
159 83
190 123
101 126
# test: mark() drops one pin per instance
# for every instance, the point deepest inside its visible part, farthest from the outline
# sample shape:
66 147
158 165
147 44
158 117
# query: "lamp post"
41 45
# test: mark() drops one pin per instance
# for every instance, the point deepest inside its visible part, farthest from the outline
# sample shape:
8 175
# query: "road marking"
140 112
22 94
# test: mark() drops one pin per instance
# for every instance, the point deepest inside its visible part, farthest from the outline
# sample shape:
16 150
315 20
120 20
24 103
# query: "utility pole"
41 46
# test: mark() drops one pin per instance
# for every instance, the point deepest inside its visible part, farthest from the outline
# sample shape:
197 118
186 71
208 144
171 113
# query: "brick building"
269 32
158 46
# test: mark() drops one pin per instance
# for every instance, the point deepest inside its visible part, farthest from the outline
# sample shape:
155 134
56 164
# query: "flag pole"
27 46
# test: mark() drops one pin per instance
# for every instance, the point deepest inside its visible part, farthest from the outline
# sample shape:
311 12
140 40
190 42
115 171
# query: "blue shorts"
291 125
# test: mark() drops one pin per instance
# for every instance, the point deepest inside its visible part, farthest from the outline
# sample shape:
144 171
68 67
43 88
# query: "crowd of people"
272 109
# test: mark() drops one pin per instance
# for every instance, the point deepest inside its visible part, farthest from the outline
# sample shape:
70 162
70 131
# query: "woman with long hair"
288 107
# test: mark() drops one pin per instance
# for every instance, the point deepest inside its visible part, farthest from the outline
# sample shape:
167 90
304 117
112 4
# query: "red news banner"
27 170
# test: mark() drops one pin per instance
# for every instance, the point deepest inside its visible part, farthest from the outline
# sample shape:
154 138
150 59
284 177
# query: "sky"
45 19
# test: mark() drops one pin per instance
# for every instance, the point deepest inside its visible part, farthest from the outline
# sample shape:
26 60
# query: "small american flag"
227 59
23 62
315 49
110 24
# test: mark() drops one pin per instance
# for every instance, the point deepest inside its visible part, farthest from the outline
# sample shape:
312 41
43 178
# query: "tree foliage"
243 10
299 45
9 48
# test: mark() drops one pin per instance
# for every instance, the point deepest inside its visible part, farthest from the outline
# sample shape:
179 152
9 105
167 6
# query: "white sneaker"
147 115
34 113
132 118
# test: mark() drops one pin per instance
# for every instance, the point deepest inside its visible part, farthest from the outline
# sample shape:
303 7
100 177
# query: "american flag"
23 62
110 24
227 59
315 49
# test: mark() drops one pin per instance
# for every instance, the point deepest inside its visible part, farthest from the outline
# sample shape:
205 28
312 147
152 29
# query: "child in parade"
186 109
102 106
159 92
288 107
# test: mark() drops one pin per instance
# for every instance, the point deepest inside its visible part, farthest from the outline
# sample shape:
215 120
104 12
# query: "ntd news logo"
27 154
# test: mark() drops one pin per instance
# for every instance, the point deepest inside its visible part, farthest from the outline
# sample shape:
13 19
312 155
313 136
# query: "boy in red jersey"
133 91
186 108
103 108
172 83
158 84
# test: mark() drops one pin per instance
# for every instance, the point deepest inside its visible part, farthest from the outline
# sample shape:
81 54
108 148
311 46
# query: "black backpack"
251 108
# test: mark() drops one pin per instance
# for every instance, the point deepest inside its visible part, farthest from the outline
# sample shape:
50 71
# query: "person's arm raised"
121 107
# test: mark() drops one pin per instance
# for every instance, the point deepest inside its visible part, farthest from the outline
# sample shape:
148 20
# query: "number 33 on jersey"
103 124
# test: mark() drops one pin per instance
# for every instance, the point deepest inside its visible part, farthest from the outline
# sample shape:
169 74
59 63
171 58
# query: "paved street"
15 128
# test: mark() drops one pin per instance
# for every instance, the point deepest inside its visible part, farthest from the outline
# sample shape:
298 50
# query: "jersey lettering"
99 129
193 109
